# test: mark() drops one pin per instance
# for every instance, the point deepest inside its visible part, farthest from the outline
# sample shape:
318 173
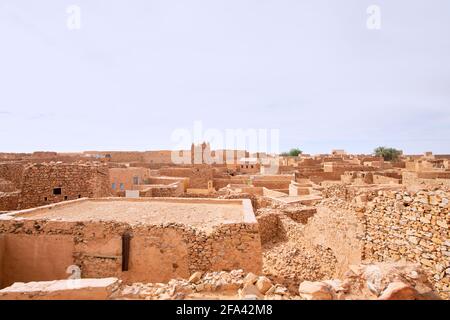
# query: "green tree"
292 153
388 154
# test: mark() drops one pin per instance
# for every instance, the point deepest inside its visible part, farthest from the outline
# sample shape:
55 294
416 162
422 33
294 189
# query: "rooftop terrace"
199 213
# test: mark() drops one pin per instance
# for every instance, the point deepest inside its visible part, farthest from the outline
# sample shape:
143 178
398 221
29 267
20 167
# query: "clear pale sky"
138 70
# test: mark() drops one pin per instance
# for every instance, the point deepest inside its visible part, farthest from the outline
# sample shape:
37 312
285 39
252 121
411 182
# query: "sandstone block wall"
75 180
12 172
398 225
9 200
268 227
414 227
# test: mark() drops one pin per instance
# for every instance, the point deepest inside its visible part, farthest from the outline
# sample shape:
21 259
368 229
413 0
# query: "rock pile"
290 263
373 282
216 285
288 257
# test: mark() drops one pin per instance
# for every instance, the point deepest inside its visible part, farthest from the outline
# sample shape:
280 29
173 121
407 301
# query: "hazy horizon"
137 71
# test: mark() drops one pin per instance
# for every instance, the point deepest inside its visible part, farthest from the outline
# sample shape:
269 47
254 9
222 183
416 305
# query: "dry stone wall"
415 227
74 180
12 172
9 200
401 226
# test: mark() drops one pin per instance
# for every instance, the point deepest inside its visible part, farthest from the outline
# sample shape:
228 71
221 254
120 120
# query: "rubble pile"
235 284
384 281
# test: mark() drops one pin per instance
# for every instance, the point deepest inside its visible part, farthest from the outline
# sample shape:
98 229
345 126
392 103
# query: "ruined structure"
253 226
133 239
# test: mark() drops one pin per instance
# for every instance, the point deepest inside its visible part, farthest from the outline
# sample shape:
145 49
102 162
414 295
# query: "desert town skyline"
232 150
136 225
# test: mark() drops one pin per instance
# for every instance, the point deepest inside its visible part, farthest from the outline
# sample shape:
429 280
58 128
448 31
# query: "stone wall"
44 249
9 200
268 227
12 172
318 177
414 227
174 190
75 180
198 176
426 178
399 225
289 258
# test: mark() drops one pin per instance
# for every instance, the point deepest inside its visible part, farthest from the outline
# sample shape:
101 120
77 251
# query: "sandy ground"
147 212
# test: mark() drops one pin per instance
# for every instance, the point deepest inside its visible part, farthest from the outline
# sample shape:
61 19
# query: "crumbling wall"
292 258
44 249
268 227
341 231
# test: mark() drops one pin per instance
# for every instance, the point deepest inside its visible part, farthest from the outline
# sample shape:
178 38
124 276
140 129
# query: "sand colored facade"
37 184
169 238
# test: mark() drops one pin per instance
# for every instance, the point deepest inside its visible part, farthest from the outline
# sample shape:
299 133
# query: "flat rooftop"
199 213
